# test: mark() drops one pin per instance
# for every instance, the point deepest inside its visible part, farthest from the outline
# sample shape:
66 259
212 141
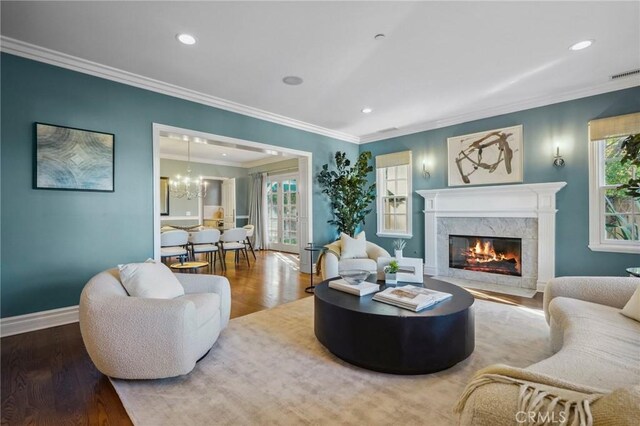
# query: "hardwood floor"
48 378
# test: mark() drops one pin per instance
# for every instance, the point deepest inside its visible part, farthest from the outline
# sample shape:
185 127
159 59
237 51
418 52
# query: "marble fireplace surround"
526 204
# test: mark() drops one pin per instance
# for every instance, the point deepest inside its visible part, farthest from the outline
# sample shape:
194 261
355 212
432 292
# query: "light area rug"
267 368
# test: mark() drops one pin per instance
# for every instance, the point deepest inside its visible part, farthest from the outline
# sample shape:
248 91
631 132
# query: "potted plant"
390 272
398 246
348 190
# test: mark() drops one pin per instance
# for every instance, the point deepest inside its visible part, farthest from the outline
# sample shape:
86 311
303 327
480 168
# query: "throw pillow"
150 280
353 248
632 308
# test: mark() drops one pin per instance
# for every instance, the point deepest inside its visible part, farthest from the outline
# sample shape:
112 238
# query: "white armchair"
138 338
331 263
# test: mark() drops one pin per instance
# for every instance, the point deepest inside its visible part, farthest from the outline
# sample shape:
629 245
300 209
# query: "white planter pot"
390 279
398 254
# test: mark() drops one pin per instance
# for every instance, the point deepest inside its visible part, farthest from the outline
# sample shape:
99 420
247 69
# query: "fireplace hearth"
495 255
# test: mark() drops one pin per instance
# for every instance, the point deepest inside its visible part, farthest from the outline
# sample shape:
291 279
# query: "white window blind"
621 125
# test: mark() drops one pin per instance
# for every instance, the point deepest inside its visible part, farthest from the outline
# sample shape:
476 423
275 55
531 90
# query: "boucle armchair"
139 338
331 264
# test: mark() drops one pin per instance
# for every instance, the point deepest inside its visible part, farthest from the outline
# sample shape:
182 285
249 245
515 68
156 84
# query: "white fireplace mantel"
536 200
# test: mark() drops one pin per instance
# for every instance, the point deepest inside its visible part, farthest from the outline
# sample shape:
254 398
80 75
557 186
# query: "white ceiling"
439 61
175 146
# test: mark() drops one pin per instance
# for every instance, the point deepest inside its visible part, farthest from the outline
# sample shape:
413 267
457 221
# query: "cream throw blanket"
335 248
568 403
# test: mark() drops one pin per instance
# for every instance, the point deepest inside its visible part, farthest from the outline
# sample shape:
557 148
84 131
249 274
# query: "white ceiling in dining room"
214 152
437 62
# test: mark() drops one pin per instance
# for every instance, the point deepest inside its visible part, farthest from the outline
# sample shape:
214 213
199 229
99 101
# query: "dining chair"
174 244
234 240
250 228
206 241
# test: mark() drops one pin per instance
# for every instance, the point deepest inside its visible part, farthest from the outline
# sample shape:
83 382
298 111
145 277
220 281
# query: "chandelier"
186 186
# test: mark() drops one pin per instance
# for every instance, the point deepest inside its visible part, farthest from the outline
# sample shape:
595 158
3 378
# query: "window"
614 216
393 183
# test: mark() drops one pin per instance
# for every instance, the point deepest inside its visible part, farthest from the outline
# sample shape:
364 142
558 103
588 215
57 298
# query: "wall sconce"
425 173
558 161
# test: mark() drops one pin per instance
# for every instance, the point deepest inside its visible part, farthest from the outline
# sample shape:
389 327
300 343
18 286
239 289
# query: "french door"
282 208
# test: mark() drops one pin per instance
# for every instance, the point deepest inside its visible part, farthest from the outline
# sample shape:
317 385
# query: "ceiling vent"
387 130
625 74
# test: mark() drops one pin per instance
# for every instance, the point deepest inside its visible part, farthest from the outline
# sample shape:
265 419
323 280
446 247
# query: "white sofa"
138 338
595 346
331 263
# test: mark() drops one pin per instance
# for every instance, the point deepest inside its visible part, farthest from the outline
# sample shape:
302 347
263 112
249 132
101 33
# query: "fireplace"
494 255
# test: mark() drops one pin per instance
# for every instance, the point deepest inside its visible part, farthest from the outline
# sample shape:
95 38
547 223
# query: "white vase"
398 254
390 278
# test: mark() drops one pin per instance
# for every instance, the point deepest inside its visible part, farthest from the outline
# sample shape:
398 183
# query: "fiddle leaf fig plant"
348 190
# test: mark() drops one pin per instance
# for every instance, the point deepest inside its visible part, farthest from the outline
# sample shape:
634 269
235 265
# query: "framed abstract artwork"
73 159
490 157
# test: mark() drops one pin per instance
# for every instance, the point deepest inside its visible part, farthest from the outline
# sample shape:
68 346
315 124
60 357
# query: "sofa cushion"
366 264
632 308
207 306
150 280
353 248
600 346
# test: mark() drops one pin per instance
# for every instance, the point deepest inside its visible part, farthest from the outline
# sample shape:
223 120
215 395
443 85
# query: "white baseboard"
540 286
38 320
429 270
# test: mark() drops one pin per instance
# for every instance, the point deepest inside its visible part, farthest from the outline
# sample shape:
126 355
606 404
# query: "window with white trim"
614 216
393 201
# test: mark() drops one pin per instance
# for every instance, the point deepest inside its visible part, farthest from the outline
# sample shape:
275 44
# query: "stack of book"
411 297
359 290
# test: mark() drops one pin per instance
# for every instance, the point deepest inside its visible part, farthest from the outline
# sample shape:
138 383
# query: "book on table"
411 297
361 289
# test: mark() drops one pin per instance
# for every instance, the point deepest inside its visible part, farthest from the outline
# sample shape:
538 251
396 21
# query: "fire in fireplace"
495 255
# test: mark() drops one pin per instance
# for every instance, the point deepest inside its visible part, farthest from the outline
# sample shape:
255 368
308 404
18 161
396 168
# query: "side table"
312 248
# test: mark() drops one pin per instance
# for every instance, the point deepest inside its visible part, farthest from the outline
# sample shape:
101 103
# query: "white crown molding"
52 57
38 320
609 86
42 54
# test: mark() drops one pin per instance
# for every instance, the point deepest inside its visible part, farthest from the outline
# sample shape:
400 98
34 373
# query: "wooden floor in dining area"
48 378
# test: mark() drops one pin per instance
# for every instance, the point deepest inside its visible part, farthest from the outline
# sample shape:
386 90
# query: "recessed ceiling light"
367 110
292 80
581 45
186 39
224 154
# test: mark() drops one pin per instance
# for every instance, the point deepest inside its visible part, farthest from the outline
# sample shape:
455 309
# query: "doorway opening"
232 167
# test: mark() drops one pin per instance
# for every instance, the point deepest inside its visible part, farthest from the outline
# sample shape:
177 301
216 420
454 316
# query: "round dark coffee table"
381 337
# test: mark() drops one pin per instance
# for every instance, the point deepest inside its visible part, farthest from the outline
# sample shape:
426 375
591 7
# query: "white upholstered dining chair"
250 230
174 244
206 241
234 240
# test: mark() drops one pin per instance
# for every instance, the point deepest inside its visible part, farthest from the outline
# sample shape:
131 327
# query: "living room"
407 82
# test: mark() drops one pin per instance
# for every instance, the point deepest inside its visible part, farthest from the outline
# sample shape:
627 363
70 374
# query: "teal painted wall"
54 241
564 123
